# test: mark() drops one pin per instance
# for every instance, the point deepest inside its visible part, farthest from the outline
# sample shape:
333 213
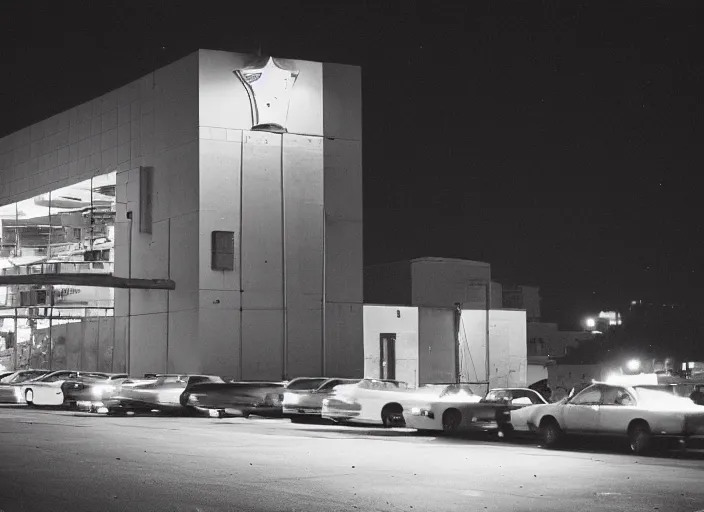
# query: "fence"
90 344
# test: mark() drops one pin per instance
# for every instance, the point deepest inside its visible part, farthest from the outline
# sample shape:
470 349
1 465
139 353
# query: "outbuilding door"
387 356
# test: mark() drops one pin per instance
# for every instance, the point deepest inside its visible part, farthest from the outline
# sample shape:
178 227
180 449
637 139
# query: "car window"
497 396
589 396
330 384
56 377
305 384
532 396
24 376
381 384
617 396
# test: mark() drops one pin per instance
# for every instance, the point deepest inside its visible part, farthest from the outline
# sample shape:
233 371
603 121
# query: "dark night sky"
558 141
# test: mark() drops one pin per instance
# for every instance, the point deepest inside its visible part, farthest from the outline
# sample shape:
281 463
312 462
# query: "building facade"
236 180
432 282
423 345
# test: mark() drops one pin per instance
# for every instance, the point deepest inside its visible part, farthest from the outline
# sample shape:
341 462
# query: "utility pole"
458 321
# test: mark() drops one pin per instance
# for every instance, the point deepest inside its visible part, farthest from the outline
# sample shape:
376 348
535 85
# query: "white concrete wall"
163 326
507 347
472 350
439 282
535 373
398 320
300 220
436 351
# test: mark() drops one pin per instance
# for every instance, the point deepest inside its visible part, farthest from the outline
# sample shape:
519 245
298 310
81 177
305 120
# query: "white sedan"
637 413
458 408
376 402
46 390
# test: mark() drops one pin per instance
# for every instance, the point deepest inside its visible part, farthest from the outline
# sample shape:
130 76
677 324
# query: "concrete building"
411 305
234 180
523 297
432 282
423 345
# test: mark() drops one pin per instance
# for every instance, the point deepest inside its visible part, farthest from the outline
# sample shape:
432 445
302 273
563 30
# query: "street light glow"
633 365
591 322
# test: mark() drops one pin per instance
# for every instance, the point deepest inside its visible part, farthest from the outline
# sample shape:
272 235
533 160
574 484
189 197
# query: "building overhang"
97 280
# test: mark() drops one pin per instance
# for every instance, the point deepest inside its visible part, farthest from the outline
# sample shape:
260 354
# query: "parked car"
303 397
236 398
457 409
11 385
636 413
162 393
46 389
88 391
369 401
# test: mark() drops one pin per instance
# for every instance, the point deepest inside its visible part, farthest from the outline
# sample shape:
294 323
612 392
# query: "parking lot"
60 460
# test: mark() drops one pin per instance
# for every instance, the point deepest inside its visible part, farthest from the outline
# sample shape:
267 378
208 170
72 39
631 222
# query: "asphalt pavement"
64 461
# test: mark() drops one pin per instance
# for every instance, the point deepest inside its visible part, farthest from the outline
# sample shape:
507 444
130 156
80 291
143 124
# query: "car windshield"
382 385
305 384
25 376
497 395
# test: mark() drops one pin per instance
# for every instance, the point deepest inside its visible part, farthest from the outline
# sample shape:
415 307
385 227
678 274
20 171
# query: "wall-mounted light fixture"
269 82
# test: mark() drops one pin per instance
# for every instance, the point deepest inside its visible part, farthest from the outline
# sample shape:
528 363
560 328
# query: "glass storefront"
68 230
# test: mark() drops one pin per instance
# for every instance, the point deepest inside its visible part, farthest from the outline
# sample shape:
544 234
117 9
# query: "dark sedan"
236 398
162 393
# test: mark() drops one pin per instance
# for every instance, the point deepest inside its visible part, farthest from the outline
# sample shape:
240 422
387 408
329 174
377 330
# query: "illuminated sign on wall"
269 83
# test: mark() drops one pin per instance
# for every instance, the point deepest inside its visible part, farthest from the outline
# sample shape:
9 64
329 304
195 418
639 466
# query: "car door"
581 413
48 391
616 410
170 391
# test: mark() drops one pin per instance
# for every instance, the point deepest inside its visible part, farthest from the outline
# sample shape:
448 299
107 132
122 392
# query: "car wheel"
639 437
392 416
551 432
506 431
29 397
451 420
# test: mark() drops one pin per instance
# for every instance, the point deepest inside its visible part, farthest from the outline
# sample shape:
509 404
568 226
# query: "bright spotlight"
591 322
633 365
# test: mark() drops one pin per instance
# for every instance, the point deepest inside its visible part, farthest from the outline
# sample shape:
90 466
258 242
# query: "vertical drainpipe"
458 319
488 309
168 292
323 354
129 298
283 264
241 365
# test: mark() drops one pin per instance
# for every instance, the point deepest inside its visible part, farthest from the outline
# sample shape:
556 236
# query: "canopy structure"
98 280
